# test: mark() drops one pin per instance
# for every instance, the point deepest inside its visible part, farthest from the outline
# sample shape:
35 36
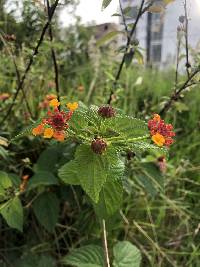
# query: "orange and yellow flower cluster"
45 103
161 132
55 124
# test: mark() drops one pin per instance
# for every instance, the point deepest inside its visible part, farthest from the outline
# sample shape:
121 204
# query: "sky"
90 10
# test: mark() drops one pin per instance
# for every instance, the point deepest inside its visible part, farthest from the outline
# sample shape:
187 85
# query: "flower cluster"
45 103
161 132
98 146
107 112
55 124
4 96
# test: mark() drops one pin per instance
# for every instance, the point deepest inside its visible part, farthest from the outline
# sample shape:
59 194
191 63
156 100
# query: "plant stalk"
105 244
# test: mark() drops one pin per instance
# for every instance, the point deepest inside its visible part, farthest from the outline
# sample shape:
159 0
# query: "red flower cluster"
56 122
58 119
161 133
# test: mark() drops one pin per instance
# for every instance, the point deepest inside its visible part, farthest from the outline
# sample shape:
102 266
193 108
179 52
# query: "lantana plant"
103 134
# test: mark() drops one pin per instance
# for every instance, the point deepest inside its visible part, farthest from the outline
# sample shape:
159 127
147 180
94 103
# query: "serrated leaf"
145 146
12 212
46 209
92 171
87 256
110 199
42 178
105 3
68 173
107 37
126 255
128 127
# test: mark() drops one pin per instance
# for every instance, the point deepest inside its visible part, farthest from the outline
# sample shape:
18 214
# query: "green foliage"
42 178
110 199
12 212
46 209
126 255
88 256
99 169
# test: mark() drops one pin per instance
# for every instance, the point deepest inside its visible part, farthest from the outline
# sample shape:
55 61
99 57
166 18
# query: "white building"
157 32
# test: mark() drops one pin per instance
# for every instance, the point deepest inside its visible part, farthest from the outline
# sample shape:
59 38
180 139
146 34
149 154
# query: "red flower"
159 127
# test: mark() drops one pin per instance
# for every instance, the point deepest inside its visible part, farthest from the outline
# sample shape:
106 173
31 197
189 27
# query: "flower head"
48 133
72 106
98 145
158 139
38 130
106 111
59 136
54 103
161 132
4 96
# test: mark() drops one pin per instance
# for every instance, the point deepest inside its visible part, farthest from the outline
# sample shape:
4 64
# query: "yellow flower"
54 103
38 130
72 106
48 133
156 117
158 139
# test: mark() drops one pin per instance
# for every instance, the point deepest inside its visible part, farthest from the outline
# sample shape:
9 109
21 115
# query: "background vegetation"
164 225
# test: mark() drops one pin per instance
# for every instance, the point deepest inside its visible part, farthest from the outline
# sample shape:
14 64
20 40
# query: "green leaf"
128 127
5 181
12 212
145 146
32 260
46 209
110 199
87 256
126 255
107 37
151 178
48 159
139 57
105 3
129 57
68 173
42 178
92 171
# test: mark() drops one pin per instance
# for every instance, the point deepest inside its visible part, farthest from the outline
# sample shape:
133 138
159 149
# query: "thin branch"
53 54
10 52
129 37
177 57
105 244
186 40
124 19
176 95
31 60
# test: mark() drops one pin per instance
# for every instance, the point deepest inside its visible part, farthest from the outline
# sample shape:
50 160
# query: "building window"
156 27
156 50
